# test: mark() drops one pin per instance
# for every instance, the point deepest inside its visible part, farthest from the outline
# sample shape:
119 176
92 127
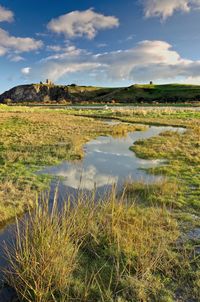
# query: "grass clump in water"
107 251
43 256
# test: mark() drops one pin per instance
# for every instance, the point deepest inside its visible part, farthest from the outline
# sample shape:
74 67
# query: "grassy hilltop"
50 93
169 93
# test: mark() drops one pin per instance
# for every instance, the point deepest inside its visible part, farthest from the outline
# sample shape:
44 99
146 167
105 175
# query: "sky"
102 43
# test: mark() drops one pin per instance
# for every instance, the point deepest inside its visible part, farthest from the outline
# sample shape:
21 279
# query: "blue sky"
105 43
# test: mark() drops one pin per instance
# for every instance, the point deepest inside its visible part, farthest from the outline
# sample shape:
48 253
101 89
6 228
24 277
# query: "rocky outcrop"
39 93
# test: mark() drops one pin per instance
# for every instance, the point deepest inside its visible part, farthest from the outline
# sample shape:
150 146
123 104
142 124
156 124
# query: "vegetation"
133 247
149 94
183 153
181 149
108 251
33 138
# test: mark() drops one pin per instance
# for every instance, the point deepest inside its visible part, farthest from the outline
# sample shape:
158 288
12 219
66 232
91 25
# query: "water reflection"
107 160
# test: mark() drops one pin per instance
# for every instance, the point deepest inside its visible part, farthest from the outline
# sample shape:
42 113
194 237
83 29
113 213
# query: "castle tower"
49 82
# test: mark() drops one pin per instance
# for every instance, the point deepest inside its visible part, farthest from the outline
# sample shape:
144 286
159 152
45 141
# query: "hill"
50 93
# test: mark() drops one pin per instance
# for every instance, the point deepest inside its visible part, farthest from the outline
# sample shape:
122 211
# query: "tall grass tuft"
106 251
43 256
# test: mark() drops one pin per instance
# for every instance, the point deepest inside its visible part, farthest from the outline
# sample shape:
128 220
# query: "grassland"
129 247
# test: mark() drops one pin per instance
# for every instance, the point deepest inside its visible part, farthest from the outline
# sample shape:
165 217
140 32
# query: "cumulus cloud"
12 45
133 64
82 23
8 42
148 60
26 70
6 15
166 8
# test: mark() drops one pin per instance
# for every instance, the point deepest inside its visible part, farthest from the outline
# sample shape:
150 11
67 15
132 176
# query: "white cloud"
148 60
3 51
166 8
18 44
55 70
64 52
55 48
82 23
15 58
12 45
6 15
26 70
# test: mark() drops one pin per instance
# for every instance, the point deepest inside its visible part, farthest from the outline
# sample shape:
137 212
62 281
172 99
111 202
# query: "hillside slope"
44 93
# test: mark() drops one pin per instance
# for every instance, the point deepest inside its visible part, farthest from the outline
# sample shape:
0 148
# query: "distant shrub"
7 101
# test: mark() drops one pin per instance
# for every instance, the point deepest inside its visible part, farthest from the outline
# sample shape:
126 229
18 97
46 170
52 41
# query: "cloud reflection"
85 178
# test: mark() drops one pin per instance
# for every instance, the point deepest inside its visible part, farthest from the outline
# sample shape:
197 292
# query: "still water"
107 161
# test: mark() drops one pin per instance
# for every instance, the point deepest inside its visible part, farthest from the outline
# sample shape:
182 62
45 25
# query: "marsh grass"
151 116
19 200
164 192
31 138
107 251
120 249
183 168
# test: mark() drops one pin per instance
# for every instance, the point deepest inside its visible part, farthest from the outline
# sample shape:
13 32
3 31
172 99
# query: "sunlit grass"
106 251
120 249
31 138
